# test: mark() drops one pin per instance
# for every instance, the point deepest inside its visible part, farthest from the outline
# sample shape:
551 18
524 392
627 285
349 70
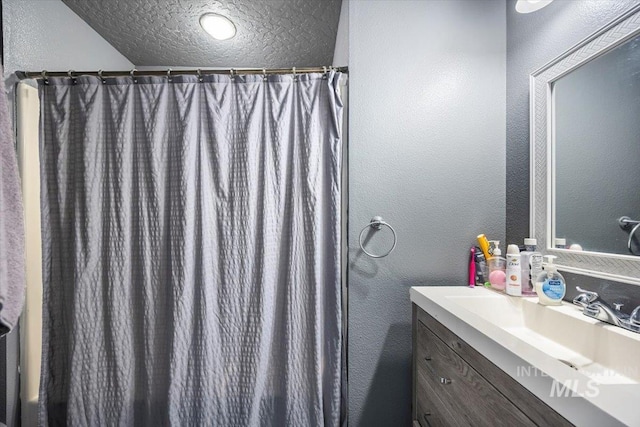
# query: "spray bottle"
514 271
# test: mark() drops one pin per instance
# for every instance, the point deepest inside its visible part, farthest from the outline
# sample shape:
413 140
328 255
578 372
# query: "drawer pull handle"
428 359
433 371
426 420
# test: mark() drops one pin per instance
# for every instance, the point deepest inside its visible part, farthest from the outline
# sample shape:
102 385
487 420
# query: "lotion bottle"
550 285
514 271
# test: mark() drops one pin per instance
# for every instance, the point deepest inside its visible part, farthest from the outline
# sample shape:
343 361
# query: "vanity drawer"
465 395
431 412
426 327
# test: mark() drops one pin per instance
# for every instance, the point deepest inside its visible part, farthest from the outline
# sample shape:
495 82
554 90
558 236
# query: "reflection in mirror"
596 149
595 88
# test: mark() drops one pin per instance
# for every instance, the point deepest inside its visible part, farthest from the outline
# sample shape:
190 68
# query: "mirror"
596 147
585 153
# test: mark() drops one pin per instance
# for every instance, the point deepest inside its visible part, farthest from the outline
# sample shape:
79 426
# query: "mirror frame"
623 268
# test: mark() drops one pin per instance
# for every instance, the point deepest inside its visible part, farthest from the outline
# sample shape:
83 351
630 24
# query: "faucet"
595 307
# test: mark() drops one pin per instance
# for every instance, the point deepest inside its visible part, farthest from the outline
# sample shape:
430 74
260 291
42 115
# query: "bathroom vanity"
455 385
484 358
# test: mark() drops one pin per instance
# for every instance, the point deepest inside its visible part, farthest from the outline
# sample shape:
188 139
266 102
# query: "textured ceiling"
271 33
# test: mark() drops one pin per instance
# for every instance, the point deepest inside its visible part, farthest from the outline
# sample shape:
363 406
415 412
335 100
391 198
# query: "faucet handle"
617 305
585 297
592 295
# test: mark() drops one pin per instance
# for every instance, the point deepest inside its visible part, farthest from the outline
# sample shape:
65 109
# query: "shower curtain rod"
169 72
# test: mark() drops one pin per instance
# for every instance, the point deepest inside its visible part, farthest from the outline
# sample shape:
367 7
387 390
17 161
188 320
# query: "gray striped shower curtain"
191 251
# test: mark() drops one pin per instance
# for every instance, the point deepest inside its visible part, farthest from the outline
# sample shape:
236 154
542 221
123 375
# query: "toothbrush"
472 268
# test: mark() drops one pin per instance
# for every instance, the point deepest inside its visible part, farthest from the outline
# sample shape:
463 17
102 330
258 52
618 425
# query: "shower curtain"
191 251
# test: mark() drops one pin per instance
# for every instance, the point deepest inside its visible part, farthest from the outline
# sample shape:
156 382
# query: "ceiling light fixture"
528 6
219 27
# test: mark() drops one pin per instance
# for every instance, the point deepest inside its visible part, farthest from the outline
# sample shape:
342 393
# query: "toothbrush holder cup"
497 272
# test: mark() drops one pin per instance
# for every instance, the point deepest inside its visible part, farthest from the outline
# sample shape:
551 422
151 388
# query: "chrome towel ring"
376 223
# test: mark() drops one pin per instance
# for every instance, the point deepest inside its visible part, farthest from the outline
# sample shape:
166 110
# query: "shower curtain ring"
295 76
73 79
324 72
169 78
264 74
100 76
44 77
200 79
232 73
132 73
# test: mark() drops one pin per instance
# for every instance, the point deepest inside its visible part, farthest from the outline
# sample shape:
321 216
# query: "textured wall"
341 50
46 34
427 152
534 39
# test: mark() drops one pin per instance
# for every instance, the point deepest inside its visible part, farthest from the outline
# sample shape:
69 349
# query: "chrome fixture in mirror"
631 226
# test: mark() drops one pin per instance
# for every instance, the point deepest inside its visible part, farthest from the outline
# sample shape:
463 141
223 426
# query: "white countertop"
527 362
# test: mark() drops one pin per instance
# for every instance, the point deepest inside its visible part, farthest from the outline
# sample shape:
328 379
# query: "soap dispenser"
550 285
497 268
496 252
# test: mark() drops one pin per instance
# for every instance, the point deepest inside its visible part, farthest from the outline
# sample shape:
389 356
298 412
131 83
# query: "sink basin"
604 353
586 370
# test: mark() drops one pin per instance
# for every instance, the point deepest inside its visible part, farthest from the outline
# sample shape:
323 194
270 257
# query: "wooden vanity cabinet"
454 385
